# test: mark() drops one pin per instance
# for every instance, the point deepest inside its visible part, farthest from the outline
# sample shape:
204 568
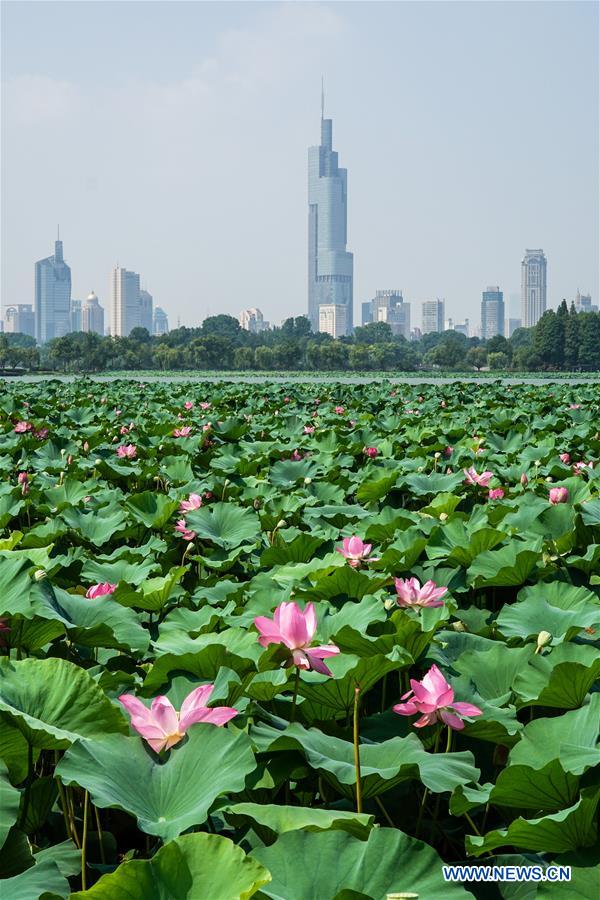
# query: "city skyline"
230 124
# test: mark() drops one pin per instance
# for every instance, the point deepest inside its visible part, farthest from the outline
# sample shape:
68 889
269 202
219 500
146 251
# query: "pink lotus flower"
23 480
496 494
411 593
100 590
473 477
339 410
127 451
208 495
579 467
123 429
309 429
565 458
41 434
443 404
163 727
575 406
559 495
524 479
371 452
433 699
295 629
185 431
207 427
356 552
194 501
188 404
22 427
205 405
296 456
448 451
186 533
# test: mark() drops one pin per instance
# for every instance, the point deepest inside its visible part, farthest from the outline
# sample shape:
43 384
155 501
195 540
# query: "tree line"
561 341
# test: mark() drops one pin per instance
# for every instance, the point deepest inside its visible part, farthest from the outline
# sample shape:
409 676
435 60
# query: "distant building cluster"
389 307
253 320
55 312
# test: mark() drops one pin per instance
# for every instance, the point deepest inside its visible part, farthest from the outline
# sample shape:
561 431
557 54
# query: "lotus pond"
298 641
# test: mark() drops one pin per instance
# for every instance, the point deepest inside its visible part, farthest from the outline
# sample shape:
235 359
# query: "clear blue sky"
172 138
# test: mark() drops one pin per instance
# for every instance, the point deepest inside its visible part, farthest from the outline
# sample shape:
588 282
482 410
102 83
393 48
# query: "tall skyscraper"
75 315
432 315
92 314
126 307
492 313
19 319
388 306
161 322
583 303
533 287
330 265
52 296
253 320
146 311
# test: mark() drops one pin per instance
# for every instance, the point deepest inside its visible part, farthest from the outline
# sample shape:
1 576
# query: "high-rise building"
492 313
533 287
161 322
388 306
330 265
146 311
92 314
19 319
75 315
253 320
333 319
510 326
125 294
52 296
432 315
583 303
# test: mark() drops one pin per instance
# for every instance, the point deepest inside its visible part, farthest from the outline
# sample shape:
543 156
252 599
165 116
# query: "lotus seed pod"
40 574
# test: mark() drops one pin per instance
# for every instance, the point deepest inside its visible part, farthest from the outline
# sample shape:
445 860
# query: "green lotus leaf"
572 738
96 527
190 867
271 820
225 524
560 678
10 800
165 797
39 880
151 509
511 565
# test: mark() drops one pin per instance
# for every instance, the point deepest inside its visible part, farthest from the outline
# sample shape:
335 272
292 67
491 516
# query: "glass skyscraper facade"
533 287
52 296
330 265
126 307
492 313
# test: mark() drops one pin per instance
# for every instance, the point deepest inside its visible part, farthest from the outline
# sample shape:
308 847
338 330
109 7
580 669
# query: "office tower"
432 316
19 319
146 311
533 287
389 306
253 320
333 319
510 326
492 313
583 303
52 296
75 315
92 315
161 322
366 313
330 265
462 327
125 294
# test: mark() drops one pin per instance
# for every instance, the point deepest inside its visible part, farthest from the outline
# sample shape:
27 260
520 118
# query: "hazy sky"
172 138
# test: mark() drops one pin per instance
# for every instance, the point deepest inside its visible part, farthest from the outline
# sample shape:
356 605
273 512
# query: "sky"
171 138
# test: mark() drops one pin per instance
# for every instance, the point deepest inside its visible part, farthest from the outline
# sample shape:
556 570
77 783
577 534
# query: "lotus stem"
386 815
100 834
295 696
30 775
357 751
86 798
448 741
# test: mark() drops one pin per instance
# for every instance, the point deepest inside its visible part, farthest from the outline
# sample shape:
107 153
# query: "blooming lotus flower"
123 429
575 406
448 451
296 456
496 494
22 427
355 551
185 431
559 495
194 501
205 405
188 404
295 629
371 452
207 426
41 434
433 699
127 451
309 429
163 727
186 533
565 458
339 410
473 477
579 467
411 593
100 590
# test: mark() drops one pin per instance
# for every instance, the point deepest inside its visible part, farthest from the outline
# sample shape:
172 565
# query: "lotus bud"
524 479
256 503
97 462
437 455
40 575
63 451
549 478
459 626
537 463
308 481
420 469
281 524
544 638
389 603
443 517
